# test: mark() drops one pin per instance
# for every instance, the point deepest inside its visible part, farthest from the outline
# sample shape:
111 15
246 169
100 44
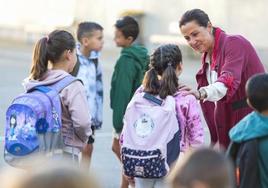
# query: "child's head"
90 36
257 92
165 66
57 47
58 177
126 31
11 177
204 168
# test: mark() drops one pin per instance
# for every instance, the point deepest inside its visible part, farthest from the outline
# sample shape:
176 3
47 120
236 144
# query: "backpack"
33 124
150 137
245 160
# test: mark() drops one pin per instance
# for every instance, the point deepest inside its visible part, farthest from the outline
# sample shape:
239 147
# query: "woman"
227 63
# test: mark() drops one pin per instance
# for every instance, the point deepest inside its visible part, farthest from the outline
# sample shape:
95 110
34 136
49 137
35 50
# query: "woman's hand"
189 91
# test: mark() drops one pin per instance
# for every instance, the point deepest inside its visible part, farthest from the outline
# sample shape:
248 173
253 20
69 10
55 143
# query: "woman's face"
198 37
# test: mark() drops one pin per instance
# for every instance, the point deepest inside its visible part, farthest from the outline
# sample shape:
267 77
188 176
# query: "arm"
122 89
231 72
213 92
230 75
79 111
99 97
194 129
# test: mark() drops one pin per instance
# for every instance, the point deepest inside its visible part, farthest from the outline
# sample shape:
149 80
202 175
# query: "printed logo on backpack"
150 129
33 124
144 126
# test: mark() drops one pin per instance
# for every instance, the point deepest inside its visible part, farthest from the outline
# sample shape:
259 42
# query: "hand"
183 87
96 123
86 156
131 180
189 91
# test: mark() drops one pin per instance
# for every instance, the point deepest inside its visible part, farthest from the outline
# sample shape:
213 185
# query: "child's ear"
130 39
250 105
68 54
84 41
180 66
179 69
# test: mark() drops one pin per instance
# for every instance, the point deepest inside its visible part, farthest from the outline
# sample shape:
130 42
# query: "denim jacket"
91 75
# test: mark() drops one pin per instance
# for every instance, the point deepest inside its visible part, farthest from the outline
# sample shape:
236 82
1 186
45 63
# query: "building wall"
243 17
159 24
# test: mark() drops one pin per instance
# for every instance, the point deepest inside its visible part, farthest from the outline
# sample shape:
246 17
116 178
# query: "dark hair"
205 165
50 48
257 91
197 15
128 26
85 29
163 62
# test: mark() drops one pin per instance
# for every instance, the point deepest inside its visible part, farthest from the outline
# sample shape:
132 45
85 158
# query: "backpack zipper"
141 157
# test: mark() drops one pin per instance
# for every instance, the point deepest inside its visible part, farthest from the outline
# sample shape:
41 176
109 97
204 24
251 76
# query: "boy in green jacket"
127 76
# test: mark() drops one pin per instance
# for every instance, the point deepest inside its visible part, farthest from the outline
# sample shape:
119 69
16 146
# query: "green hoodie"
127 77
254 125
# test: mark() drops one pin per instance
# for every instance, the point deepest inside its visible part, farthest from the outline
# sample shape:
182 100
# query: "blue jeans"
150 183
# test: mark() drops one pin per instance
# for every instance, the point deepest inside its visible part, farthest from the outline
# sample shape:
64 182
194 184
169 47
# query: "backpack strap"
153 99
60 85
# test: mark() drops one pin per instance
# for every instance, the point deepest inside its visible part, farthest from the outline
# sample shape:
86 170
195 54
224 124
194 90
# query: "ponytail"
40 60
164 62
151 83
169 82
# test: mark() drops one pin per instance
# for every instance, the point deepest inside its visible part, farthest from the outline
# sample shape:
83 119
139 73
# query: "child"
58 49
127 76
202 168
90 37
58 177
253 127
162 80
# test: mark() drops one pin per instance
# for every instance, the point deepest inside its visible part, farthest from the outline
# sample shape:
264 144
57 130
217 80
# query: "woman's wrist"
202 94
199 95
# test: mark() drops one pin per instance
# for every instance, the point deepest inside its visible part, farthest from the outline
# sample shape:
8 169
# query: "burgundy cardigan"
235 60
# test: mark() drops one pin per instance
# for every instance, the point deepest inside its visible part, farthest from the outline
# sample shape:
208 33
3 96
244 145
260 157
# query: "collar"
216 32
93 54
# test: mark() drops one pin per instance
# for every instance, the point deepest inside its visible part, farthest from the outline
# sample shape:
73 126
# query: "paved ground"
15 60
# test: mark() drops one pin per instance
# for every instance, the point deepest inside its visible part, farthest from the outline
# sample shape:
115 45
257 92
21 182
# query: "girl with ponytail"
54 58
162 79
161 82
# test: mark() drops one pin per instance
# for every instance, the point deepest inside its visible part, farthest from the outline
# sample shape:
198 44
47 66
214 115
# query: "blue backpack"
33 124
